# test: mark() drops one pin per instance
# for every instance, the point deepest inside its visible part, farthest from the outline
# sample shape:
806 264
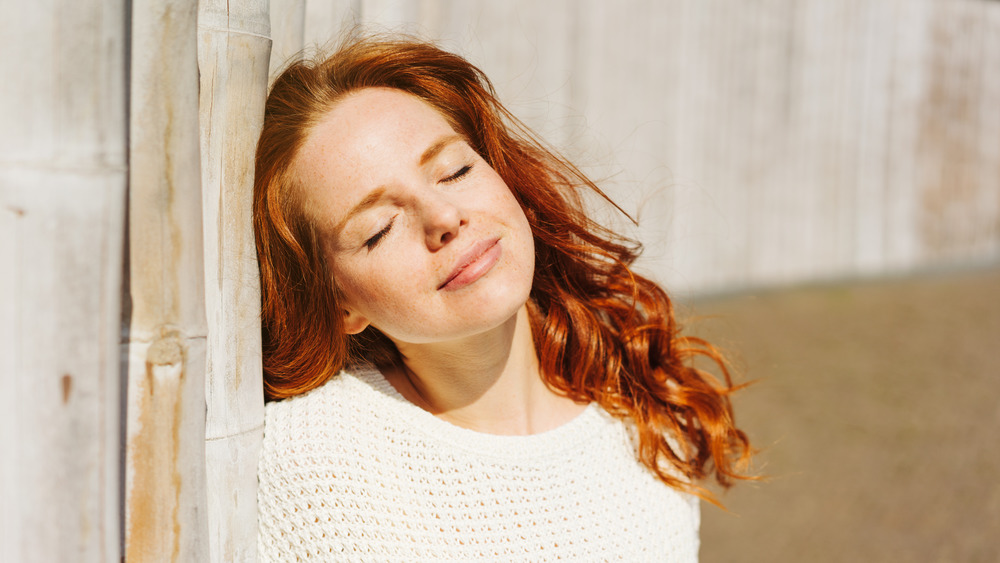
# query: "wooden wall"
63 177
758 142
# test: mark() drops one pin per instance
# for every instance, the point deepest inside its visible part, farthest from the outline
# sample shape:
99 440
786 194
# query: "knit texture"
352 471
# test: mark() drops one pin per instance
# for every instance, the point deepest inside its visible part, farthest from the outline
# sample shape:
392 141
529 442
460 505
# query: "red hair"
602 332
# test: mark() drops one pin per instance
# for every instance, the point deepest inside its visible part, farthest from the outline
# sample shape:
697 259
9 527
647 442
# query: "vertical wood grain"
325 21
62 195
233 51
288 26
765 143
165 456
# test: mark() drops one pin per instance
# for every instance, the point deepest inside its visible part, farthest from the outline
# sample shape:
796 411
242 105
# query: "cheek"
374 290
358 287
515 214
517 219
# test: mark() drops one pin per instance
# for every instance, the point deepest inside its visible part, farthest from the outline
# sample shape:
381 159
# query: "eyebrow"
377 194
369 201
439 146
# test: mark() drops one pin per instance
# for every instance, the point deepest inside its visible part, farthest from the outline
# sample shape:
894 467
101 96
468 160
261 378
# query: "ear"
353 322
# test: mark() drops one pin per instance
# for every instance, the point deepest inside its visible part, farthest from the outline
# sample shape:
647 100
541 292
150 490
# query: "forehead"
366 138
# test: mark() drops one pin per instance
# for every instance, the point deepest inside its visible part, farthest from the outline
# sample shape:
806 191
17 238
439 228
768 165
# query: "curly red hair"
602 332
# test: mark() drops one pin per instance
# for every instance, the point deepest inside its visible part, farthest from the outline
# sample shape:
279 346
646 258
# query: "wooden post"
62 196
233 52
165 457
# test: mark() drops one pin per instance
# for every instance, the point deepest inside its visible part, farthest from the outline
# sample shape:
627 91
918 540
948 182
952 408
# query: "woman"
467 367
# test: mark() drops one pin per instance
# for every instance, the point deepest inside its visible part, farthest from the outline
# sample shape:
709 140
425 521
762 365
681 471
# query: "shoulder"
312 441
345 415
338 405
325 396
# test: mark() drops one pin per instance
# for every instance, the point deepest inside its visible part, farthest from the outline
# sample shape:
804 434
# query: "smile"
474 264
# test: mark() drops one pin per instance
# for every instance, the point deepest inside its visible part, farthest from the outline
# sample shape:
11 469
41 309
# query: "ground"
877 411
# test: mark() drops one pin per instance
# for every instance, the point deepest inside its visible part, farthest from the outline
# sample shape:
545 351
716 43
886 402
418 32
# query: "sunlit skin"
428 245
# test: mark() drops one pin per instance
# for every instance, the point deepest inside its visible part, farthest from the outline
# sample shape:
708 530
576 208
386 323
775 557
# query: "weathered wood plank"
988 142
288 26
165 463
764 143
165 456
234 49
952 184
62 197
325 21
60 244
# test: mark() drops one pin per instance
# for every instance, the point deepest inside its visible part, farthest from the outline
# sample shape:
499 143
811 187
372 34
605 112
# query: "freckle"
67 386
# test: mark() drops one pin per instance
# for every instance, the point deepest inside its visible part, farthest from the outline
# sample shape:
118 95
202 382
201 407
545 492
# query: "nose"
442 220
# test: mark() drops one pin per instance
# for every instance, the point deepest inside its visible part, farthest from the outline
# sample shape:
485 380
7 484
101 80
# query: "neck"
489 382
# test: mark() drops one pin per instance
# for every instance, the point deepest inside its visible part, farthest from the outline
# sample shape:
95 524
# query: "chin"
491 316
470 321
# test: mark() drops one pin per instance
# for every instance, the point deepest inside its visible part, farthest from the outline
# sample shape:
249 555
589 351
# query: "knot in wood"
166 350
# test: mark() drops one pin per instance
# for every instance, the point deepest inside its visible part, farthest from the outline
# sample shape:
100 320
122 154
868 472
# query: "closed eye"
457 175
377 237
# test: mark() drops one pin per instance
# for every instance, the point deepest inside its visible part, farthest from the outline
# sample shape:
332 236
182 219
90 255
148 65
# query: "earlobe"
354 323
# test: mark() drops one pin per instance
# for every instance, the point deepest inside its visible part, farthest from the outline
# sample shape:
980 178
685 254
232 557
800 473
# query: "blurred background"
818 182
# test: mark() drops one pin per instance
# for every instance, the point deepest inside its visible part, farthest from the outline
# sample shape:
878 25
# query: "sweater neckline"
584 426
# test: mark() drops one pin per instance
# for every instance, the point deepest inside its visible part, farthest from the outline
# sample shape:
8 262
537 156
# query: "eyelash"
375 240
458 175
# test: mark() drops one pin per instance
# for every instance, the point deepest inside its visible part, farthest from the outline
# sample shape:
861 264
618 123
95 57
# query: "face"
425 240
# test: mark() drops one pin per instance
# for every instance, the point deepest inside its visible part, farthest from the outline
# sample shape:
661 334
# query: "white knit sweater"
352 471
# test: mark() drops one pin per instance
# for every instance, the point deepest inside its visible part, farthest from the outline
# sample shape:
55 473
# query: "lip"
473 264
